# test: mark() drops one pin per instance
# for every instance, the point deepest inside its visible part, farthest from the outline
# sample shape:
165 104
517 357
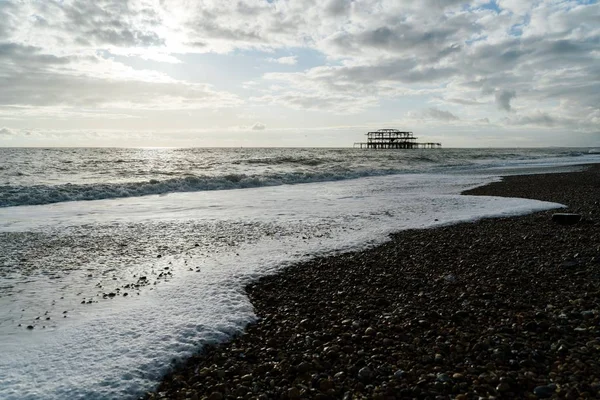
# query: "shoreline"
505 307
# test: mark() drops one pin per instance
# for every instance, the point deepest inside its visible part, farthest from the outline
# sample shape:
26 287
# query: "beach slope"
504 307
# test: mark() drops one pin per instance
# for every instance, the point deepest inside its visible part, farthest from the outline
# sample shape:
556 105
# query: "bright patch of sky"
298 72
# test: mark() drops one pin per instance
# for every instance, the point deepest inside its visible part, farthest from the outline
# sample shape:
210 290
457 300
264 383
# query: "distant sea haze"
116 262
44 176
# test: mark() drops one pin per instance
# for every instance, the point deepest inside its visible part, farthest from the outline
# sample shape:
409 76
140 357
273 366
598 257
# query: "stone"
365 373
293 393
460 315
569 264
304 367
215 396
325 385
503 387
450 278
543 392
566 218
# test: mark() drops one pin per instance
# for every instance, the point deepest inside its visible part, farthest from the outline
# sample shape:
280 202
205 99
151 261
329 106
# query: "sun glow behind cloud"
471 73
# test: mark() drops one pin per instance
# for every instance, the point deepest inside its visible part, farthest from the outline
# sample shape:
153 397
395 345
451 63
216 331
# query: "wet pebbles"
502 308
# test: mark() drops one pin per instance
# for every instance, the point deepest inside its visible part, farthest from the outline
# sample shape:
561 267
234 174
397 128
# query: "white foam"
120 348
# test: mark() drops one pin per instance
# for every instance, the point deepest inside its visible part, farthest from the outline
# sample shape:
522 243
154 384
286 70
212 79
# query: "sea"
118 263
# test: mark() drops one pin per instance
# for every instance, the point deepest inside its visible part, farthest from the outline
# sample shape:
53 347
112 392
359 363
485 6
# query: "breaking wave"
46 194
307 161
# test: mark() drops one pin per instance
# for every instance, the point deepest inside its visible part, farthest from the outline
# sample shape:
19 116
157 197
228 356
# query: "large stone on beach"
566 218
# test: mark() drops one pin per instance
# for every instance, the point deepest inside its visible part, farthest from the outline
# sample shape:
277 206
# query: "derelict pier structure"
394 139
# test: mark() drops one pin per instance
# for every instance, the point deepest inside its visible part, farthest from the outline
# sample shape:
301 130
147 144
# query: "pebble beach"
499 308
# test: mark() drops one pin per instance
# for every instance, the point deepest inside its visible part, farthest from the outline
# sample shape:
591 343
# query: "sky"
153 73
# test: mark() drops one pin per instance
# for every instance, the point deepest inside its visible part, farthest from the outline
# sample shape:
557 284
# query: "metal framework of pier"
394 139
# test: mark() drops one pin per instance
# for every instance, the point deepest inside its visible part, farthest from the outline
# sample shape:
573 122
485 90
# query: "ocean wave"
529 154
11 195
309 161
97 174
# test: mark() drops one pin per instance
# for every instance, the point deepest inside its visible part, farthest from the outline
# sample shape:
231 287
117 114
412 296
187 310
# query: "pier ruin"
394 139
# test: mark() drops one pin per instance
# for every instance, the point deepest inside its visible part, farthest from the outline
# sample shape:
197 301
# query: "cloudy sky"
503 73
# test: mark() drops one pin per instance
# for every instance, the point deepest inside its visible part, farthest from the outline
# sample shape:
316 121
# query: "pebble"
215 396
503 387
365 373
543 392
293 393
399 374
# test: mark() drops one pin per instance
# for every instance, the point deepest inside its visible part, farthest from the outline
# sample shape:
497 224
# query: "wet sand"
499 308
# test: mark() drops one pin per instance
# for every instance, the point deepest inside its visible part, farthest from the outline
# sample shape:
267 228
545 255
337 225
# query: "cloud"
321 101
101 22
8 18
337 8
46 89
464 102
67 59
537 119
503 98
258 127
32 78
433 114
291 60
555 120
440 114
29 57
6 132
471 57
518 7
